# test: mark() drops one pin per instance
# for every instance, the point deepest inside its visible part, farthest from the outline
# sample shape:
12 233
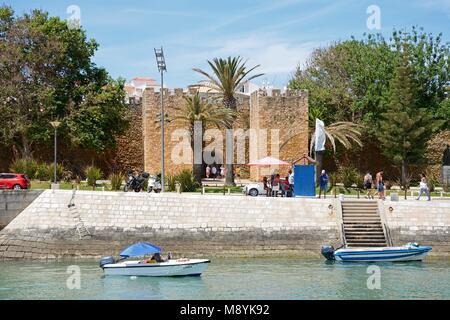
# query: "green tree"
405 127
227 77
350 80
198 110
46 73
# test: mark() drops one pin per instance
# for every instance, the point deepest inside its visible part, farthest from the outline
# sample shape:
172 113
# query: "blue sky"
278 34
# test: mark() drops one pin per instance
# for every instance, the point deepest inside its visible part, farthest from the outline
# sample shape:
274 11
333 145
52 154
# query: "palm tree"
227 77
346 133
195 110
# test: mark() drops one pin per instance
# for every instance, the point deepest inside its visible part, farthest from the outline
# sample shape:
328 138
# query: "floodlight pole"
55 125
161 63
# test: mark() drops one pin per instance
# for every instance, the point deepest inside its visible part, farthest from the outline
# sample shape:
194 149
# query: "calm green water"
232 279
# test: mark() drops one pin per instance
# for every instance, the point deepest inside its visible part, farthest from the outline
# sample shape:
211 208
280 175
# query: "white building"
135 88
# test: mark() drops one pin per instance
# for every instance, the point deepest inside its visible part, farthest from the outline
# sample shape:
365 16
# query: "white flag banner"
320 135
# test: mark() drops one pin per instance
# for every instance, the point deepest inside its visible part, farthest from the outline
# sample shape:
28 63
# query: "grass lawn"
221 190
35 184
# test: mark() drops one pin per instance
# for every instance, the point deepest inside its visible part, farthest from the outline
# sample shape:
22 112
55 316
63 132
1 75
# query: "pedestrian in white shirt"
291 183
424 187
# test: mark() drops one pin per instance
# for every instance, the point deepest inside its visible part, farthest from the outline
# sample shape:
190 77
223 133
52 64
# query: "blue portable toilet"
305 179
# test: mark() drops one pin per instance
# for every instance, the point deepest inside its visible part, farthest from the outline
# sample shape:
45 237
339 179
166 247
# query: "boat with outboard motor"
151 267
409 252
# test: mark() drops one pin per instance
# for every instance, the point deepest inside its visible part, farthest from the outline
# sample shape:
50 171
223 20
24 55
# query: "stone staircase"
362 225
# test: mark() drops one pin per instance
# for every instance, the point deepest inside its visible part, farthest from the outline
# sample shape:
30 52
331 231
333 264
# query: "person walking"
380 185
323 184
291 183
208 171
424 187
266 186
367 183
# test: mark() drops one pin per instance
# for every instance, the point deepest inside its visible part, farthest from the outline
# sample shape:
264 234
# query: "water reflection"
232 279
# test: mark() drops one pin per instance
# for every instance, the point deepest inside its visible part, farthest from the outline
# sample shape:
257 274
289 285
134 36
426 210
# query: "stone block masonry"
190 225
427 223
205 225
12 202
267 124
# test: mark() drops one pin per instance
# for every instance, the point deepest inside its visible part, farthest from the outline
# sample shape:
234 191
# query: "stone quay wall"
13 202
189 225
424 222
197 225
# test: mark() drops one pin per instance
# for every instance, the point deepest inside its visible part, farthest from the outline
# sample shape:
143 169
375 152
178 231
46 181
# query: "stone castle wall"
261 112
288 115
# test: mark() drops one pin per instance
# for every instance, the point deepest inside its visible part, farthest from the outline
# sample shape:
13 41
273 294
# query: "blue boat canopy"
140 249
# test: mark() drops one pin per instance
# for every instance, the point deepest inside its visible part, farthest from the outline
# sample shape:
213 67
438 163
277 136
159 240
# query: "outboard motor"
107 260
328 252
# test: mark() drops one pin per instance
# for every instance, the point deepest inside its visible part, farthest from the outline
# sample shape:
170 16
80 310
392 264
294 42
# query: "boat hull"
192 267
393 254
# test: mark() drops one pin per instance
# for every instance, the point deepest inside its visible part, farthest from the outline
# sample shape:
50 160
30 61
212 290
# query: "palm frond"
346 133
227 75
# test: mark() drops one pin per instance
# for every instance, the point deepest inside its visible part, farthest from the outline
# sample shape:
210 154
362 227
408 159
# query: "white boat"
408 252
151 267
171 268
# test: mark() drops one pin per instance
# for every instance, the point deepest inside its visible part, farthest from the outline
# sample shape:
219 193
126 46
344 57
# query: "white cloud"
277 57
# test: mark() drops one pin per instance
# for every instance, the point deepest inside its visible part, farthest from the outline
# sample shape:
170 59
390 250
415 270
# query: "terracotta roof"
147 80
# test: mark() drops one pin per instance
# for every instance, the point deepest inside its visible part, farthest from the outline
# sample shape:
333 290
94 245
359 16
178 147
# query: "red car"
14 181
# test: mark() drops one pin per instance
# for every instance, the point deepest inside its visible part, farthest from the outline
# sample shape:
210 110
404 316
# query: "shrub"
170 180
349 176
433 180
93 174
187 181
25 166
116 181
42 172
51 171
332 179
67 175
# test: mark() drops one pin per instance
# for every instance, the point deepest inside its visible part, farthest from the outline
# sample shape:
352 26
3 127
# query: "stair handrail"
388 234
344 239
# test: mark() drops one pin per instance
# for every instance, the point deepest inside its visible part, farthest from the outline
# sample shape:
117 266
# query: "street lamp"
161 63
55 125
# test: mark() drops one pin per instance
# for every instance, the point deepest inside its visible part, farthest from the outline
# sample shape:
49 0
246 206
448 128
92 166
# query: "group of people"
276 185
215 171
380 187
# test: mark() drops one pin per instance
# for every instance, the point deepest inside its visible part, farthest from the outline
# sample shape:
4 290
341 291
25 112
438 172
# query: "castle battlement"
258 93
278 93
